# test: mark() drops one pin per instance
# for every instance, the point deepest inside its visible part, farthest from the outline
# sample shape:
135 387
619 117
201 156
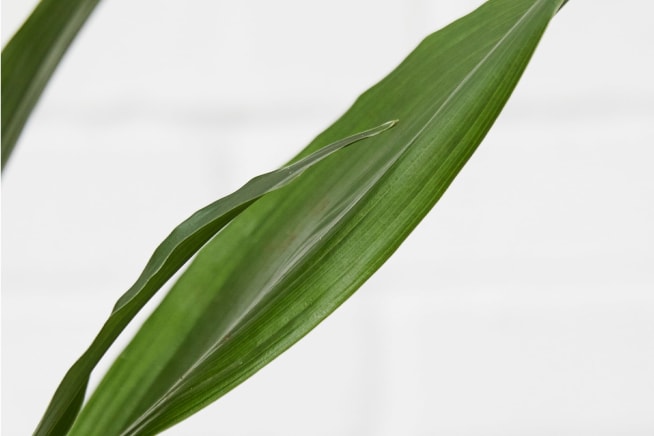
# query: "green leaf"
292 258
183 242
30 58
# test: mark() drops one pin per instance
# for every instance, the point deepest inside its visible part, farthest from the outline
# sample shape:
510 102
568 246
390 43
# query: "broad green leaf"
183 242
292 258
30 58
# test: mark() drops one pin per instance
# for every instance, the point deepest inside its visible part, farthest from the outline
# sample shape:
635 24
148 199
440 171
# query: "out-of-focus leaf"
30 58
184 241
292 258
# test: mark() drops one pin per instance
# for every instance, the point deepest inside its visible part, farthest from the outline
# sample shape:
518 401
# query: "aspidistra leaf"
292 258
30 58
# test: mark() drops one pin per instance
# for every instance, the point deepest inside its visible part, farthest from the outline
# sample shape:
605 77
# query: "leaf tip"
389 124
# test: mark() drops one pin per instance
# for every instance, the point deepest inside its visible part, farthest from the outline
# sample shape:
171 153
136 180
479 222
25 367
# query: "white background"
522 305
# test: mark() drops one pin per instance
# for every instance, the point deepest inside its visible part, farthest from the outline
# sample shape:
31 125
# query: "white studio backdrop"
522 305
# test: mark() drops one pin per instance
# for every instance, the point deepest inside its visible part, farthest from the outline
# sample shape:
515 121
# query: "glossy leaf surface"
293 257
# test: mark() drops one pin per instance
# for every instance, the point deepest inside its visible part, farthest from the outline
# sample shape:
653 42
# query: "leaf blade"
30 58
294 257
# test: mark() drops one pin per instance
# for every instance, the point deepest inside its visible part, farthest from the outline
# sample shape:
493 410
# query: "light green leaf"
292 258
183 242
30 58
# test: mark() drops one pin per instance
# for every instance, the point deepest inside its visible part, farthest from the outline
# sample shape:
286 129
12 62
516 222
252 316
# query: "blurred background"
522 305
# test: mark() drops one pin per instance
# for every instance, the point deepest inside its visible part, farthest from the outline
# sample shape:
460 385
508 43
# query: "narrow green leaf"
30 58
292 258
184 241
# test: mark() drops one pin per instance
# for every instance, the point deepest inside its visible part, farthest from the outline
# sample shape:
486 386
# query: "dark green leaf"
30 58
292 258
